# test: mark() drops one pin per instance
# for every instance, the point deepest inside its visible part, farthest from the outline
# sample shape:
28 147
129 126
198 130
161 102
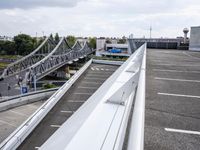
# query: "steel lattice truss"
38 54
59 56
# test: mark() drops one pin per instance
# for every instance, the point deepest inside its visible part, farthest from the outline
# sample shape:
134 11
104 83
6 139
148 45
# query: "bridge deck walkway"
83 88
172 100
11 119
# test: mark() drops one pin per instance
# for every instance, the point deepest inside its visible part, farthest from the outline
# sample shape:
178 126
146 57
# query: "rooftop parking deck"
172 118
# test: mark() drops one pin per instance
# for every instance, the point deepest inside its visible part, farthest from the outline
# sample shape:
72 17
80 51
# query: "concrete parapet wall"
25 99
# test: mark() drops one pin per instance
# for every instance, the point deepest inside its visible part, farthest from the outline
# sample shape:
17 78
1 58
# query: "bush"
48 86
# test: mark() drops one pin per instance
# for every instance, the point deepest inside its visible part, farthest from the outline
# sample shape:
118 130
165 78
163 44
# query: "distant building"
194 39
112 48
82 40
6 38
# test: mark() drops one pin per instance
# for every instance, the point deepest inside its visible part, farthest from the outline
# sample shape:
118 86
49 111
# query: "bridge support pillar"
67 72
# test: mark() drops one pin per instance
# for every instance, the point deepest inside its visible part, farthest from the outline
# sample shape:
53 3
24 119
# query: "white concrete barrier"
25 99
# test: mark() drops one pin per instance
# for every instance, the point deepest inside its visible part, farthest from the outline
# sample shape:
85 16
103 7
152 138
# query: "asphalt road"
172 120
84 87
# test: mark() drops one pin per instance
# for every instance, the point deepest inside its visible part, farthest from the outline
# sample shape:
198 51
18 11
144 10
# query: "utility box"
194 39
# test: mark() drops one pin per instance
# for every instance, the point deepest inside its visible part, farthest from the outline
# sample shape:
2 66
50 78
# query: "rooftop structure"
195 39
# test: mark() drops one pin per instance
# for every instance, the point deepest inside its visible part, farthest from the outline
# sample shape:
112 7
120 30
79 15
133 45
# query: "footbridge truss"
38 54
59 56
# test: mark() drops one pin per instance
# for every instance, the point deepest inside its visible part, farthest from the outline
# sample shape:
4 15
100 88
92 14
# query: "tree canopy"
57 38
71 40
21 45
92 42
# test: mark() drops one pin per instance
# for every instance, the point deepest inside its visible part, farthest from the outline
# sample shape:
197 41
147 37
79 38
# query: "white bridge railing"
101 122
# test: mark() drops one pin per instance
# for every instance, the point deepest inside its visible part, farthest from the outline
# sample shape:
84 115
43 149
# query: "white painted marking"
7 123
84 87
182 131
178 95
83 93
33 106
21 114
75 101
107 69
94 78
55 126
66 111
97 68
92 68
37 147
99 76
191 55
168 70
91 82
178 65
102 69
172 79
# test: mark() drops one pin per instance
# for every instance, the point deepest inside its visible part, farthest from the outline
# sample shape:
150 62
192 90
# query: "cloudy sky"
98 17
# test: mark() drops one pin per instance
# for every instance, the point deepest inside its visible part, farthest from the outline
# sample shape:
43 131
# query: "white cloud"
99 17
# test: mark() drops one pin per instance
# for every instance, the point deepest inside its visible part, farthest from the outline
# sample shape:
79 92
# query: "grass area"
10 56
49 86
112 58
3 65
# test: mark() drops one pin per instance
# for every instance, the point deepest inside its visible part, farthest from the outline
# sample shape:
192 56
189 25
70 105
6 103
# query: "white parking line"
92 68
37 147
99 76
91 82
172 79
177 65
7 123
167 70
102 69
21 114
55 126
94 78
67 111
97 68
190 55
182 131
75 101
83 93
178 95
84 87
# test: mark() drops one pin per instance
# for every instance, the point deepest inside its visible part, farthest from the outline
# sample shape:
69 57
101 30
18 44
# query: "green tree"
57 38
92 42
108 41
121 41
71 40
24 44
7 48
51 36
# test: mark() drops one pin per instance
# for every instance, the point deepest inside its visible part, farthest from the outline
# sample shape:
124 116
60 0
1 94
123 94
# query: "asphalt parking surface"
83 88
172 120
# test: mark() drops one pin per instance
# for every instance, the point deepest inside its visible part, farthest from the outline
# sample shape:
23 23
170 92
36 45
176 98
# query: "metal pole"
35 84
